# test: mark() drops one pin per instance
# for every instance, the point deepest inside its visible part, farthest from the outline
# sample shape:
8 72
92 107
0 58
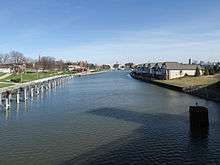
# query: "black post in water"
199 117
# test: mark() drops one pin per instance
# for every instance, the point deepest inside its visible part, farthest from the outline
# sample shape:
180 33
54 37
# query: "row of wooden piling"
22 92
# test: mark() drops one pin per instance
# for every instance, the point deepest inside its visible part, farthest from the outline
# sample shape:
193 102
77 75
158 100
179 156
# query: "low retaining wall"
194 91
173 87
152 81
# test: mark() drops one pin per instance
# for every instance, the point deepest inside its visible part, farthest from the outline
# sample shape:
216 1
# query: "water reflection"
26 106
198 145
17 110
199 133
7 114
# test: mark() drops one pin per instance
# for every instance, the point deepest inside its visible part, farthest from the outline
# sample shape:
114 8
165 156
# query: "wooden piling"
0 98
32 92
25 93
18 97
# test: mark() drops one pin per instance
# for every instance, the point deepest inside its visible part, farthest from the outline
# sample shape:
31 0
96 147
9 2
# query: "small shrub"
30 72
16 79
197 74
206 72
211 71
186 75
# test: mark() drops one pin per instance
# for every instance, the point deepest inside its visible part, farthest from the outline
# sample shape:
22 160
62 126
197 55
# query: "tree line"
44 62
212 69
13 57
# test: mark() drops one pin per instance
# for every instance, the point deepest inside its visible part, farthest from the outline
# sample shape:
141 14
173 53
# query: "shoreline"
18 85
193 90
31 88
90 73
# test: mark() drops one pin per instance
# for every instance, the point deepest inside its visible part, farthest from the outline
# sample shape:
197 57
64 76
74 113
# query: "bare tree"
60 65
17 57
4 58
47 62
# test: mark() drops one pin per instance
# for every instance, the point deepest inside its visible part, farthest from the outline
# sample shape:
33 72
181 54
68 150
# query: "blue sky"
106 31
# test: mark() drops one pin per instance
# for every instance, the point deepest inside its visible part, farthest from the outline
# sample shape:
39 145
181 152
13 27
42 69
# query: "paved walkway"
21 85
5 75
8 83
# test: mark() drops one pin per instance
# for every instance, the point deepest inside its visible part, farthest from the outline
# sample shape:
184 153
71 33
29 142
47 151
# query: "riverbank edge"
90 73
187 90
52 77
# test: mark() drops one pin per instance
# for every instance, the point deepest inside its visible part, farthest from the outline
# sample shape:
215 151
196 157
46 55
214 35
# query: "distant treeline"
14 57
44 62
212 69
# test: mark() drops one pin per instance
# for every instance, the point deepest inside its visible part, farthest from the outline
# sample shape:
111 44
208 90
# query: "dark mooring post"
199 117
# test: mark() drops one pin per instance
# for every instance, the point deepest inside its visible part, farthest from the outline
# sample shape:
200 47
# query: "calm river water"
107 118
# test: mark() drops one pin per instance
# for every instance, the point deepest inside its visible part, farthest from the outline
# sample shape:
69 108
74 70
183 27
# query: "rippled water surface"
107 118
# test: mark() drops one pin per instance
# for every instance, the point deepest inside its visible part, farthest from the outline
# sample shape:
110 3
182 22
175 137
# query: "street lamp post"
37 74
21 77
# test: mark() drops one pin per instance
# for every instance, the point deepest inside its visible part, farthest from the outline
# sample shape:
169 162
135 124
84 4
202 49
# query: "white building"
168 70
76 68
5 69
173 70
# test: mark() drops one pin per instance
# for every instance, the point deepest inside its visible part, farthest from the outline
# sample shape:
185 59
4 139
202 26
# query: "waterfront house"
173 70
12 68
5 68
76 68
167 70
17 68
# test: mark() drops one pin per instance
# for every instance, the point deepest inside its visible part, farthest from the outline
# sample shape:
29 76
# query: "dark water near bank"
107 118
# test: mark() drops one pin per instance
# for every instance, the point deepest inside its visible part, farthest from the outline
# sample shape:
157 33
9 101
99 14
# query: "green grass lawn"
26 77
2 74
191 81
2 85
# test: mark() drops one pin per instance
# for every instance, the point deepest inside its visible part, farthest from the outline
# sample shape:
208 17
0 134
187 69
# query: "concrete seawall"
150 80
194 91
21 92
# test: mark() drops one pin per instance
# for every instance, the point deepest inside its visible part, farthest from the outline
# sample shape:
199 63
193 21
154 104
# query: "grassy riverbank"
2 85
31 76
15 79
191 81
207 87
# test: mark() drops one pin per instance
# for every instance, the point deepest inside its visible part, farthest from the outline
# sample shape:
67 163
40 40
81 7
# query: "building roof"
179 66
5 65
159 64
151 65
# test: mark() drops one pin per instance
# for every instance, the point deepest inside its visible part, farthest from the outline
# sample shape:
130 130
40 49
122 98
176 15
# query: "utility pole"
21 77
